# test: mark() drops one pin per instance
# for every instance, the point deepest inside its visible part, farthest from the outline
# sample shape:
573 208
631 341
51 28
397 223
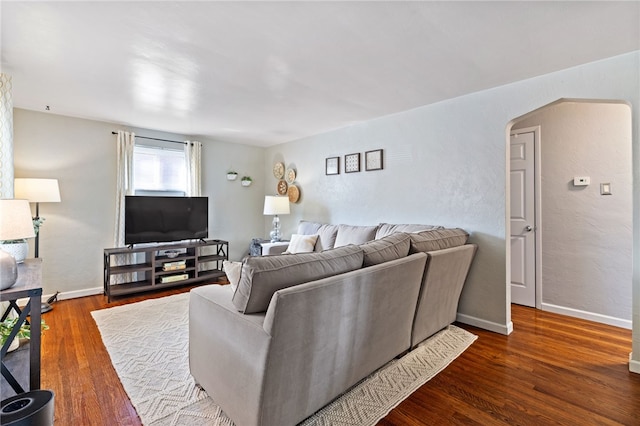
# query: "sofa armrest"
227 352
444 277
269 249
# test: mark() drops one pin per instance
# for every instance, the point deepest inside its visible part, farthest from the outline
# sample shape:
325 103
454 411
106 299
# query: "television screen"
163 219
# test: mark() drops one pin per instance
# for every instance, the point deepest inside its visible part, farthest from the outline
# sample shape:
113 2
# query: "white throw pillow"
302 243
232 269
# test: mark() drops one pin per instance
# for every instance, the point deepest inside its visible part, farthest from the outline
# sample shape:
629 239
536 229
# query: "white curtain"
124 186
124 182
192 155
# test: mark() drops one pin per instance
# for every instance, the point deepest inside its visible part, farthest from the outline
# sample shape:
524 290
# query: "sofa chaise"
301 329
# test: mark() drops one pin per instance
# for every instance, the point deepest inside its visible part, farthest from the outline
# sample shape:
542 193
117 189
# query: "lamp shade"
15 220
276 205
37 190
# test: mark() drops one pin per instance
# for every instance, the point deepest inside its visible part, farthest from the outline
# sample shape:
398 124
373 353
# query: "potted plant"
23 333
231 175
246 180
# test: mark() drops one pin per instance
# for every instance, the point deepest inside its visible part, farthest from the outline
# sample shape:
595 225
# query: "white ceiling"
263 73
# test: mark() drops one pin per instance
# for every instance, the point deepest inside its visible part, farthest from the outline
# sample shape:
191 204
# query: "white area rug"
148 345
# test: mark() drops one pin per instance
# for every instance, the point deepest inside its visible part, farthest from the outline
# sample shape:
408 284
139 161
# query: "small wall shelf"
150 269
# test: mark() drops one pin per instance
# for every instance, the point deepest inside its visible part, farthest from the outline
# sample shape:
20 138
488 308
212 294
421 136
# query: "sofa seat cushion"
263 276
437 239
385 229
349 234
391 247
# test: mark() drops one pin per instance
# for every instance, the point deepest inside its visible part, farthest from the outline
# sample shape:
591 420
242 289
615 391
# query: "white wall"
446 164
81 154
586 237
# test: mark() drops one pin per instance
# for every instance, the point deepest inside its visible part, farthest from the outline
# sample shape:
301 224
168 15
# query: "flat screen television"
151 219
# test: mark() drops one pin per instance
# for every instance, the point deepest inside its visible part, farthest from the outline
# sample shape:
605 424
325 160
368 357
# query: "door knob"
528 228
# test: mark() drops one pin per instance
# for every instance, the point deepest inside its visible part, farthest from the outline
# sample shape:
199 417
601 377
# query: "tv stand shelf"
130 270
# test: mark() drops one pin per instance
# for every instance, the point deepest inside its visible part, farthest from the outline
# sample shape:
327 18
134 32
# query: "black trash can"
33 408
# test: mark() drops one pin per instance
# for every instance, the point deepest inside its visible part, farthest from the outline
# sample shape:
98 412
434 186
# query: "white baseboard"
66 295
589 316
634 366
484 324
75 294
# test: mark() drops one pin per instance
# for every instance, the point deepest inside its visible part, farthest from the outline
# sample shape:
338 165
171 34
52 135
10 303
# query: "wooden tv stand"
144 268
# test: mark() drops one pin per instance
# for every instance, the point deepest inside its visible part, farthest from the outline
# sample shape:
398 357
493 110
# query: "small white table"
274 248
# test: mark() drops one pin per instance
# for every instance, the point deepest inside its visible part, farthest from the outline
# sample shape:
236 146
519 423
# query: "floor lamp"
38 191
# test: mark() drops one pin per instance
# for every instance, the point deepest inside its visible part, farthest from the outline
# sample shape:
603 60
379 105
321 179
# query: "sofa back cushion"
349 234
263 276
391 247
437 239
385 229
308 228
326 237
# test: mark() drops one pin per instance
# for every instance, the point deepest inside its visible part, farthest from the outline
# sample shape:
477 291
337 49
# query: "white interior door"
523 244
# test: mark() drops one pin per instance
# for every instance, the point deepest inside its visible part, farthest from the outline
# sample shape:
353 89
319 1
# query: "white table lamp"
274 205
15 224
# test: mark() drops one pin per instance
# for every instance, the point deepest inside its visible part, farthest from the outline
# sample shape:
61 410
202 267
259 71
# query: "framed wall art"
332 166
352 163
373 160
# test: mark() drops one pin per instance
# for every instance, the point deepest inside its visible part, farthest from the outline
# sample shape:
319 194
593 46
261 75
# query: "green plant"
23 333
37 223
246 179
232 173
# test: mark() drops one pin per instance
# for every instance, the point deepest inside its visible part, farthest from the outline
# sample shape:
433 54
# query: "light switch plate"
605 189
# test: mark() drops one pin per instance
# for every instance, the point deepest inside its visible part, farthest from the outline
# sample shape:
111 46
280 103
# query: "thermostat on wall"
581 181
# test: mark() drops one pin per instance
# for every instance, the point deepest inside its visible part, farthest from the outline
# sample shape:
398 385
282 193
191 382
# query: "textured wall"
586 237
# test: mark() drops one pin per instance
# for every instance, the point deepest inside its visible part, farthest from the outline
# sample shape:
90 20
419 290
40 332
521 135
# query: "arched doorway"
582 260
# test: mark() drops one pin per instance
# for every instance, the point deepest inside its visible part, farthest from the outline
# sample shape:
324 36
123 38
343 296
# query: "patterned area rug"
148 345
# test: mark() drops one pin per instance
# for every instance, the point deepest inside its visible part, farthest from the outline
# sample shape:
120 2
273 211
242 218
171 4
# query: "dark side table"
28 285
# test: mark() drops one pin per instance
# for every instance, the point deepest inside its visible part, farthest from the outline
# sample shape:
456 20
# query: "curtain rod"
155 139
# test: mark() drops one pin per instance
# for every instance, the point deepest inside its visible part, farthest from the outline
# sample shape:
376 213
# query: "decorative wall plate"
282 187
278 170
294 193
290 176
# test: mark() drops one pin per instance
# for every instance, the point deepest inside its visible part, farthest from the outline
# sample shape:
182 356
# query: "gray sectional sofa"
300 329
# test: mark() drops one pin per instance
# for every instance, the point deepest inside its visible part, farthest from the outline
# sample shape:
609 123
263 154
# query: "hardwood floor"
551 370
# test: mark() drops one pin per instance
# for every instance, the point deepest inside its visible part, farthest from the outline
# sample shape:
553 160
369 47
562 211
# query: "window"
159 171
